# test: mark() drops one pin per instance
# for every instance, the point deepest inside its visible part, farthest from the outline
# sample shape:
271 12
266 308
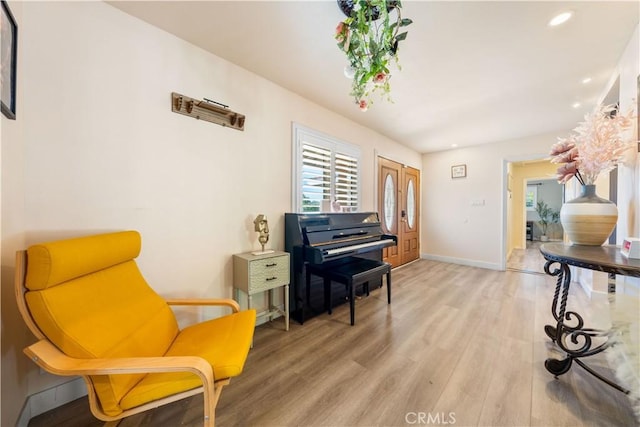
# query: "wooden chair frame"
48 357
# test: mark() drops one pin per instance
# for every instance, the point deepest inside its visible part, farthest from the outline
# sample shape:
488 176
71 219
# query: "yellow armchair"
95 316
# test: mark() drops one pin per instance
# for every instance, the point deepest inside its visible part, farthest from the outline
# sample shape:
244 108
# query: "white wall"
628 72
103 151
462 218
12 233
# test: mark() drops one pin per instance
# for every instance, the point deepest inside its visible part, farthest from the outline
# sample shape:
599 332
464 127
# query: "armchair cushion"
56 262
229 338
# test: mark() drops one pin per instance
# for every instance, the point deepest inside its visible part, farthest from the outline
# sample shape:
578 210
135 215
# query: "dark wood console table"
569 332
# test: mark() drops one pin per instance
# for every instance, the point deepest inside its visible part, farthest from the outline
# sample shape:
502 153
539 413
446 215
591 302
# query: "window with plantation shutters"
326 173
346 182
316 177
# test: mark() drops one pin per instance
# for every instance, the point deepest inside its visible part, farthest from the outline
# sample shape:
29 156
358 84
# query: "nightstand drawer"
268 273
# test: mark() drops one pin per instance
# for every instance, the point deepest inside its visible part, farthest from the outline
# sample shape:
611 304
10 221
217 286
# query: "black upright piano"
328 239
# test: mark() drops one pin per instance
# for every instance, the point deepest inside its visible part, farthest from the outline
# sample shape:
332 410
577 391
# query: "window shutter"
316 177
346 182
325 170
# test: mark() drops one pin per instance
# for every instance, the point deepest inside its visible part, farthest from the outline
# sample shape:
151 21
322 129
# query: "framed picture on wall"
458 171
8 51
531 197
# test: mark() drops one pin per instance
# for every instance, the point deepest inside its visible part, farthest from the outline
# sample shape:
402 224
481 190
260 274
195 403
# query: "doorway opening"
542 211
530 191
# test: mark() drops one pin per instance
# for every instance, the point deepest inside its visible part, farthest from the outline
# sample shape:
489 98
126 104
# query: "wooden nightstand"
253 274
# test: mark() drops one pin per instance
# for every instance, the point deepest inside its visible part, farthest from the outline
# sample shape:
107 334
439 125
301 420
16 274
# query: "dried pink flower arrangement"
598 145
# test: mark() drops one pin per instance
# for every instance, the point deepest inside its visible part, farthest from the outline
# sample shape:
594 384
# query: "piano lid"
296 222
326 235
338 219
320 237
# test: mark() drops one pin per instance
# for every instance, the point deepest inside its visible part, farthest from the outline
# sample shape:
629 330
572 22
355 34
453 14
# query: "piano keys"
333 239
328 240
356 249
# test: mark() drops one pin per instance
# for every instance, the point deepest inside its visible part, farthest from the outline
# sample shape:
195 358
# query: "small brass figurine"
262 227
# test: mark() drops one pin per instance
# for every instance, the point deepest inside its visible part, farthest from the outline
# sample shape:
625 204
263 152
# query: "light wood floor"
458 344
528 260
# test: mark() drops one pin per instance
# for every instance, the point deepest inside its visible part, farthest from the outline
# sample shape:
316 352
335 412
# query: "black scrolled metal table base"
569 333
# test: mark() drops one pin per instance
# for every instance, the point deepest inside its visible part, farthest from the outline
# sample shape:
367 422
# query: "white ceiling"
472 72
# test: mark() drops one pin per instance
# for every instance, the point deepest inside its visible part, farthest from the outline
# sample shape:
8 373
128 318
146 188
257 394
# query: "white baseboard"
462 261
52 398
629 286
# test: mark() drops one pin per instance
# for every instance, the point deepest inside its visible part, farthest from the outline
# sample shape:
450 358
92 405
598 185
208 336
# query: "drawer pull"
271 278
271 265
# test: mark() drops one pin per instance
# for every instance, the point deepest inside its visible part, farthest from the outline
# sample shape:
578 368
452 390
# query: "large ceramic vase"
589 219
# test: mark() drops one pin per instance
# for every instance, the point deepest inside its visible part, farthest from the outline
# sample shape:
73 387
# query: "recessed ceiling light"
560 18
586 80
576 105
454 145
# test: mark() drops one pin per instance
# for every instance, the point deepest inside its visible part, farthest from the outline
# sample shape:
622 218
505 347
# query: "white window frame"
302 135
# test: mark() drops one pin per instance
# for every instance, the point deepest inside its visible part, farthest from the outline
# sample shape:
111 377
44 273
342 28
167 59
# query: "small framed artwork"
8 51
459 171
531 197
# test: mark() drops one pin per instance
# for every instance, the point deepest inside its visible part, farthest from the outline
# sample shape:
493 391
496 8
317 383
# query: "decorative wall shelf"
208 110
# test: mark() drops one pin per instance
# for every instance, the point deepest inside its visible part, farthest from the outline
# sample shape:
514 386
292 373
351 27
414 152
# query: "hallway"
528 260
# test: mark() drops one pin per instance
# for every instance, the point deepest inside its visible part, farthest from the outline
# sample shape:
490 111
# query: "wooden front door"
389 206
409 215
398 207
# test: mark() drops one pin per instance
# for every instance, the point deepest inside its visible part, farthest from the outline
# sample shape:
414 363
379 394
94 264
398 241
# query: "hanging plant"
369 37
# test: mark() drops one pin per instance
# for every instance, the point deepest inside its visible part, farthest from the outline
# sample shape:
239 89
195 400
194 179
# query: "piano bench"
360 271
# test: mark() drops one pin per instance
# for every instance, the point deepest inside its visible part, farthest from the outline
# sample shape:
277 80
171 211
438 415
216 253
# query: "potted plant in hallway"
545 213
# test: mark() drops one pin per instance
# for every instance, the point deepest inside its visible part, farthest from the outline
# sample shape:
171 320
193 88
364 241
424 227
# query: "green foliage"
371 45
547 216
